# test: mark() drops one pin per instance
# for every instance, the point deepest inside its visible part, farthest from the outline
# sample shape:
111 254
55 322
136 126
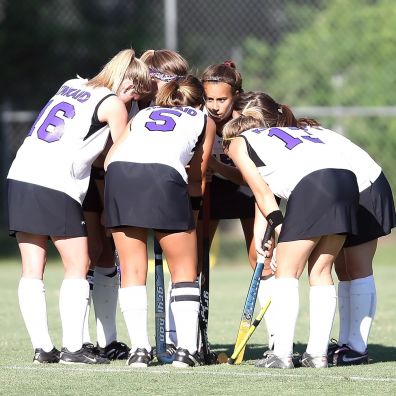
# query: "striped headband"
162 76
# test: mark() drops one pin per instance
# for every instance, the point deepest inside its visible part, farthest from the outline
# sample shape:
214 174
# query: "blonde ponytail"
122 66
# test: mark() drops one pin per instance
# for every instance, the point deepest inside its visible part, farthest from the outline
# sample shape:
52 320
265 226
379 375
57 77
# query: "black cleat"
40 356
82 356
345 356
332 347
139 358
114 351
210 358
183 358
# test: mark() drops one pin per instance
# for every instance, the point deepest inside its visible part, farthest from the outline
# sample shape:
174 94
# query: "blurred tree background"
333 60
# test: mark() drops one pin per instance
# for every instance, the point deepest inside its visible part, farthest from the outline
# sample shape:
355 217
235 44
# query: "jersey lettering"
289 140
161 121
51 128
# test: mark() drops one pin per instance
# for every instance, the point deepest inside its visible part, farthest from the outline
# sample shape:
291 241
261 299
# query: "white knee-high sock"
286 303
86 333
31 295
185 307
171 335
322 307
133 303
363 307
105 298
73 301
344 311
265 293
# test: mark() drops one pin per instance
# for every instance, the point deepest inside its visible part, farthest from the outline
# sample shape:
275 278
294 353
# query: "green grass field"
229 282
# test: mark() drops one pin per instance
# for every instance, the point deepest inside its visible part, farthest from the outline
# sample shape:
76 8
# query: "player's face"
127 92
219 100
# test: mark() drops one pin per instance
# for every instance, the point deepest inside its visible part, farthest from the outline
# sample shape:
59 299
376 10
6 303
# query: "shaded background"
334 60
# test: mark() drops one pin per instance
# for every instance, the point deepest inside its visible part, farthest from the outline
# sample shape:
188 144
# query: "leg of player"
322 298
92 222
73 300
361 299
31 295
131 245
105 299
180 250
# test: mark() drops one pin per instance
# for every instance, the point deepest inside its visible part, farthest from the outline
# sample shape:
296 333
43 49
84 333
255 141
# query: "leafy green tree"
345 55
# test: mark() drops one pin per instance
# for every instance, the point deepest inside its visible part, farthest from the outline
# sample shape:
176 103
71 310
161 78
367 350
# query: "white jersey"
163 135
284 156
364 167
64 141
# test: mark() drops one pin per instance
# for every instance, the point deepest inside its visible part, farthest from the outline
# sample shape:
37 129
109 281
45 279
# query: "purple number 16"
54 119
290 140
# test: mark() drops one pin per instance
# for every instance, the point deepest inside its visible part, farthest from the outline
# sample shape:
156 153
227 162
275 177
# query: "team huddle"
132 151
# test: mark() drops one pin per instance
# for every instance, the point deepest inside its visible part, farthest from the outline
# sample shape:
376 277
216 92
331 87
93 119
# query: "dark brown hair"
223 72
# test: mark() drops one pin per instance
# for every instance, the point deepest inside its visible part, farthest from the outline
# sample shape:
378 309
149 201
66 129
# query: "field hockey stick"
250 303
209 357
252 328
160 328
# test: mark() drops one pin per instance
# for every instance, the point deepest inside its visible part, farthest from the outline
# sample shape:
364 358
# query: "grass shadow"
378 353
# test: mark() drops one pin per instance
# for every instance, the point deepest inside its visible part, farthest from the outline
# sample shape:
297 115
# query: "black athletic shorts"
229 200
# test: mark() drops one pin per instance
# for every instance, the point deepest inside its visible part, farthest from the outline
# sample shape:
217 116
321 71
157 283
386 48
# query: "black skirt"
92 201
376 213
43 211
325 202
230 201
147 195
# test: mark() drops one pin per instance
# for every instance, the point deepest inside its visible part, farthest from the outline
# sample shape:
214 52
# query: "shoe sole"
138 365
46 362
81 363
180 364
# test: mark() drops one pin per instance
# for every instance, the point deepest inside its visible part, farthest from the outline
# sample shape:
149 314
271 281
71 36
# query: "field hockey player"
151 157
47 183
277 158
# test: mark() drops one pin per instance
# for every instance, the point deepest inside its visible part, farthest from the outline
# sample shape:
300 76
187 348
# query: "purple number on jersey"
51 129
162 122
290 140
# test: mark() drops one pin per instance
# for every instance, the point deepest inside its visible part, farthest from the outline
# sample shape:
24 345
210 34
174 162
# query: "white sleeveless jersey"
284 156
63 142
364 167
164 136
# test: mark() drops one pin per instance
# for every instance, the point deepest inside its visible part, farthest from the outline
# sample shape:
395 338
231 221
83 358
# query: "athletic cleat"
308 360
82 356
114 351
346 356
183 358
170 350
268 352
40 356
211 358
273 361
333 346
89 347
139 358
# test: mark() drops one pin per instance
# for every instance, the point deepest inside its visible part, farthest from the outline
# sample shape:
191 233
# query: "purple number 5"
161 122
51 129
